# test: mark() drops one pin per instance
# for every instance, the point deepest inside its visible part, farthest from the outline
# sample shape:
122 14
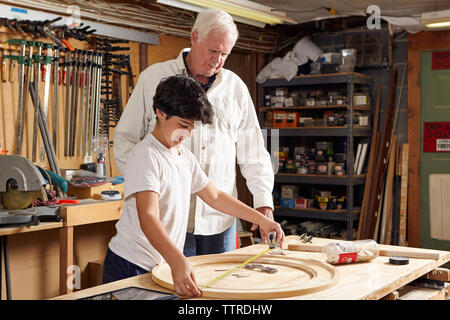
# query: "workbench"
87 212
372 280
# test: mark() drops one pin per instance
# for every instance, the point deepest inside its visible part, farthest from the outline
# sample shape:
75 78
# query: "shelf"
351 82
334 106
323 131
319 179
320 79
337 215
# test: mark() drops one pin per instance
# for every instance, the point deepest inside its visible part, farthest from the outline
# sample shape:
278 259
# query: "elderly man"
234 133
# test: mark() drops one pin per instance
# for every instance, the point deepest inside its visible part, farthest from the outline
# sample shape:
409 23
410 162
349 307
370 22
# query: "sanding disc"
398 260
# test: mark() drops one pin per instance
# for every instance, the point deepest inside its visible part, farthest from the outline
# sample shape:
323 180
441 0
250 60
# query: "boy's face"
175 129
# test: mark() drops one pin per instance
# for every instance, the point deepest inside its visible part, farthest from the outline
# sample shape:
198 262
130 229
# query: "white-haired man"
234 133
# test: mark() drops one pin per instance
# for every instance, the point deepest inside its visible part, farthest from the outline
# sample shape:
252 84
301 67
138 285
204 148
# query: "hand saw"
272 244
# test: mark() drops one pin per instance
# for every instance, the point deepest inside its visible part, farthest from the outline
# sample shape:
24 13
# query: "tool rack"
351 82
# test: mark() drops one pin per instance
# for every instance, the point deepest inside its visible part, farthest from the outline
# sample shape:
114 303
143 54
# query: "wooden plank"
370 166
92 213
383 251
391 296
390 193
368 227
403 195
41 226
440 274
66 258
95 273
409 254
417 293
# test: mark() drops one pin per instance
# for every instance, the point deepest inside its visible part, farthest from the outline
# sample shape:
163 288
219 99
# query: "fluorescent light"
436 19
439 24
243 9
190 7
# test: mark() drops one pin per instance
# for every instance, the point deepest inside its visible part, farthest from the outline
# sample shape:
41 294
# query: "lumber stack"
383 218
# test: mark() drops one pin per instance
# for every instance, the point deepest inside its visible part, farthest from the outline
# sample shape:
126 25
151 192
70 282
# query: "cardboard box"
279 119
287 203
289 192
303 203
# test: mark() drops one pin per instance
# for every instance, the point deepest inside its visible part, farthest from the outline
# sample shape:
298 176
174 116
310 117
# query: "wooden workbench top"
369 280
86 212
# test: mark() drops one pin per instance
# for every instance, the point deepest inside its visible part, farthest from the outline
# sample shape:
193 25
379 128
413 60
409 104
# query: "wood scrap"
383 251
387 230
404 195
370 166
376 185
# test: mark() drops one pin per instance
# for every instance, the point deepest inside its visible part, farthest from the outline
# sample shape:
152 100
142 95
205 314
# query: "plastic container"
343 252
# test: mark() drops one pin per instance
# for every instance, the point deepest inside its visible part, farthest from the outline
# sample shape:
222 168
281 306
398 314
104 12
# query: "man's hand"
268 212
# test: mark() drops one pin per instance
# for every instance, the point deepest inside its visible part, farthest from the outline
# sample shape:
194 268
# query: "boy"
161 175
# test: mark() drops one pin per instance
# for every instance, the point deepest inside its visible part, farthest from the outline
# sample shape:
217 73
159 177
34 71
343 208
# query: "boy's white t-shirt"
172 173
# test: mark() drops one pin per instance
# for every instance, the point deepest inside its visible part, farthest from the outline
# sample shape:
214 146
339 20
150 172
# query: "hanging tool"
28 79
21 60
37 80
46 73
56 81
272 245
66 82
86 108
99 84
74 103
51 156
82 85
12 67
95 79
4 66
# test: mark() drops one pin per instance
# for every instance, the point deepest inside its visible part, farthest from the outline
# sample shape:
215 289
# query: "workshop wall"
34 256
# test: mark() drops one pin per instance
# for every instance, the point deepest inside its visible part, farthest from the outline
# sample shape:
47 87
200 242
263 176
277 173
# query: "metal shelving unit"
349 132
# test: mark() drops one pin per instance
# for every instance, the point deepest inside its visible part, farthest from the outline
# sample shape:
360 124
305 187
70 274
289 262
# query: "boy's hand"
184 280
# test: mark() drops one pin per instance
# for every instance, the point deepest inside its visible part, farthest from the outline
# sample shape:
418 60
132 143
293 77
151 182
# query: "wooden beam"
440 274
390 194
368 228
403 196
91 213
65 258
370 166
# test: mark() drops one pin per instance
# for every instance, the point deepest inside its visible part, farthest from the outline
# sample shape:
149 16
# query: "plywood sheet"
440 206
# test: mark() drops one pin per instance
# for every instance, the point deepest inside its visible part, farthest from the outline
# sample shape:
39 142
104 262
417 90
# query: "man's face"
209 54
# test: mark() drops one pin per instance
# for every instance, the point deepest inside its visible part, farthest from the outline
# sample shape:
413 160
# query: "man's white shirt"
234 135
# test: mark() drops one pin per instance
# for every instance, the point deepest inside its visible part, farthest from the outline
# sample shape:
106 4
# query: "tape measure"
272 245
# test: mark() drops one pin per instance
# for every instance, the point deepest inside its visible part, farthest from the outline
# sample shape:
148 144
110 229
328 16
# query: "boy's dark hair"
183 97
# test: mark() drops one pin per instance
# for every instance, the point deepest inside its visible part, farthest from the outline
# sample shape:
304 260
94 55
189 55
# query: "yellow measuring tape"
237 267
